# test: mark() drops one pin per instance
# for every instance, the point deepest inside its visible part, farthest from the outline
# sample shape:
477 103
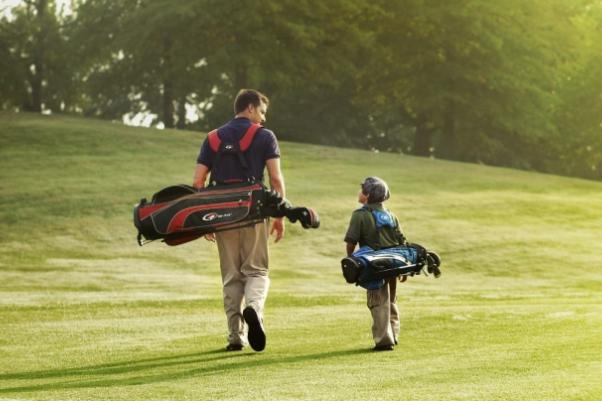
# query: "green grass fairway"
86 314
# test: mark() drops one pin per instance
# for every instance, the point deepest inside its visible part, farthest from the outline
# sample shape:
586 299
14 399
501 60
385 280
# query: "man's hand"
210 237
278 227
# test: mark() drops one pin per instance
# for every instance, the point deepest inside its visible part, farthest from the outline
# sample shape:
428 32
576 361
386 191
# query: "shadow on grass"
242 360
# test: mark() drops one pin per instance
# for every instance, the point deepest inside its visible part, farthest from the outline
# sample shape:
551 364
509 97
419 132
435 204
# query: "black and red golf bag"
181 213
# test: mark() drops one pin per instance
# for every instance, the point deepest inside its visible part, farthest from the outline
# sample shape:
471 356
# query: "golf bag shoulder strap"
381 218
244 143
247 138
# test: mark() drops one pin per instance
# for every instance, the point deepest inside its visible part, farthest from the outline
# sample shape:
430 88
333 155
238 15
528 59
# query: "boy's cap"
375 189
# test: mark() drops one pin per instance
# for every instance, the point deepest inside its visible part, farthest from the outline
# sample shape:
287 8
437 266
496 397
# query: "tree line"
514 83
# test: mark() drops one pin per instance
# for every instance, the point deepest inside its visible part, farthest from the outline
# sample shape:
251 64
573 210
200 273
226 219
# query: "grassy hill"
86 314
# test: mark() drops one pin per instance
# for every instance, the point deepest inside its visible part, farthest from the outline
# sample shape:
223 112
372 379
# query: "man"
243 252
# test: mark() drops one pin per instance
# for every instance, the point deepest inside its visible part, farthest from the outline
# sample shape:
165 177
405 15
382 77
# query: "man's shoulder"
266 141
266 133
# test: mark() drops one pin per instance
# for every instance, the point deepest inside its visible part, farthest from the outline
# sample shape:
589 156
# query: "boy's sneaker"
234 347
256 335
433 262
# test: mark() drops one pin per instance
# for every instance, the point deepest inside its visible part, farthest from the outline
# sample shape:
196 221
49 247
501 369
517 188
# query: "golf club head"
433 262
307 216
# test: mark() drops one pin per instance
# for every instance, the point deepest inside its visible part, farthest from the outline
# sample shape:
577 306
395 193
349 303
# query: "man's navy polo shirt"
263 147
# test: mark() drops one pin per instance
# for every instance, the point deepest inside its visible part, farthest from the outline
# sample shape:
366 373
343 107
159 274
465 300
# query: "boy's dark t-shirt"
264 147
362 229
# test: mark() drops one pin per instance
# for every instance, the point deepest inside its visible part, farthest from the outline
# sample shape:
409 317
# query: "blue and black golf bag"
369 268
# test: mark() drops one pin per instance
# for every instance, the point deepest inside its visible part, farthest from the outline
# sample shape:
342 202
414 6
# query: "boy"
374 226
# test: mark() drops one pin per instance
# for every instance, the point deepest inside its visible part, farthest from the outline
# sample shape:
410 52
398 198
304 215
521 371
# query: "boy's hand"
402 279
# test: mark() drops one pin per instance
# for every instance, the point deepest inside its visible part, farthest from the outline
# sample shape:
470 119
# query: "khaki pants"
385 315
243 256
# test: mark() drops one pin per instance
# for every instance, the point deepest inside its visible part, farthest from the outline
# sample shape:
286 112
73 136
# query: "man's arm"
276 178
277 184
200 176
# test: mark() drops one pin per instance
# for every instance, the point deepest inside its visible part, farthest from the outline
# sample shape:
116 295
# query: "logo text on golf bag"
213 215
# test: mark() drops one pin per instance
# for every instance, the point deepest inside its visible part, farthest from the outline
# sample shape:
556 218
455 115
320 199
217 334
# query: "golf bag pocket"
202 216
352 269
357 270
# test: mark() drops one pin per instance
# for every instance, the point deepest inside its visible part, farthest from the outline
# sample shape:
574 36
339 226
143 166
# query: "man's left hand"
278 227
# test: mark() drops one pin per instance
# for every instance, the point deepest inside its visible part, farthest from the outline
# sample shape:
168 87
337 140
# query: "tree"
579 146
35 47
149 56
12 76
472 76
305 55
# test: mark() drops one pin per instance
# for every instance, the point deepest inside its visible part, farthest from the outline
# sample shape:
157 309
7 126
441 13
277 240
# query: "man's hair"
247 97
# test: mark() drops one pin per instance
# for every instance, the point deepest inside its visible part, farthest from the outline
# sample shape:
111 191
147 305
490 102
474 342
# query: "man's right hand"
210 237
